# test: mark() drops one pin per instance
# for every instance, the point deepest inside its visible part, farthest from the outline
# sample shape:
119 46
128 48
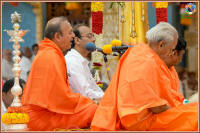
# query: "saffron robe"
142 81
47 97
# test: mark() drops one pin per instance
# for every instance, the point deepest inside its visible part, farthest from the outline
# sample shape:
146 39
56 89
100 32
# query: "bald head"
53 26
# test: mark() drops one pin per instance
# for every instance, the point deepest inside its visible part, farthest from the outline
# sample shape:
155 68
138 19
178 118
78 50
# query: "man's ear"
57 36
76 40
161 44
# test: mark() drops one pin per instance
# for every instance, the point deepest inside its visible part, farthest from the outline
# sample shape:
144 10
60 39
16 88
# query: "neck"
81 51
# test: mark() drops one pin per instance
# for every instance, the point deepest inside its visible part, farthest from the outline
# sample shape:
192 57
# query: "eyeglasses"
89 35
173 51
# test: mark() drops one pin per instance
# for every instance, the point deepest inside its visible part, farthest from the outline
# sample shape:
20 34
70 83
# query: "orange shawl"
141 81
47 84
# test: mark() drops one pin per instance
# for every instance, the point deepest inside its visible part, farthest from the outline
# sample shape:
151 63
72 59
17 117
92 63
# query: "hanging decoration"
161 11
133 31
97 67
97 27
187 11
97 17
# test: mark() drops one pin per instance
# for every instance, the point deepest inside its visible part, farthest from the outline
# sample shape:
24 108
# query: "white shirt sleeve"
81 82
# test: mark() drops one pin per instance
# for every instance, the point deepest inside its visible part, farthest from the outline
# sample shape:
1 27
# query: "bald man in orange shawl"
47 97
143 95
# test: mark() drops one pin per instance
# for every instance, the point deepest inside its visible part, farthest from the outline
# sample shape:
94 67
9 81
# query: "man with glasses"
142 95
80 77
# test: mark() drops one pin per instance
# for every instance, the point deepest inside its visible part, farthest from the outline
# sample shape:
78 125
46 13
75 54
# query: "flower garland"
186 18
15 115
97 17
161 11
97 67
97 27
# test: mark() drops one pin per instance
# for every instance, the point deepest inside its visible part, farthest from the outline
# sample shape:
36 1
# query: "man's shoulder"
72 56
49 56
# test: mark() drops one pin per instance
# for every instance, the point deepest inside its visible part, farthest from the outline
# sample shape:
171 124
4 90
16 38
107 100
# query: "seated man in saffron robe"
47 97
142 95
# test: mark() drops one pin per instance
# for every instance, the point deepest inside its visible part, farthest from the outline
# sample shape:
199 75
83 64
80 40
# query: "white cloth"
7 69
3 110
194 98
80 77
33 57
25 65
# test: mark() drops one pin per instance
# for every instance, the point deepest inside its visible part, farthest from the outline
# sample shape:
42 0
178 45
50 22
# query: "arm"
159 109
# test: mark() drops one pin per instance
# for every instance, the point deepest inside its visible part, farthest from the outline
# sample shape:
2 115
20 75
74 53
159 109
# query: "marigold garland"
161 4
97 17
15 110
161 11
15 118
100 84
97 65
97 6
15 115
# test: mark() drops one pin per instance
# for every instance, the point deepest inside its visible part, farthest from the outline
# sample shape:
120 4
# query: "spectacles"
173 51
90 36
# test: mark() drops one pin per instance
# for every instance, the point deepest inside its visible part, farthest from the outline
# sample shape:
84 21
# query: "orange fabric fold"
141 81
47 85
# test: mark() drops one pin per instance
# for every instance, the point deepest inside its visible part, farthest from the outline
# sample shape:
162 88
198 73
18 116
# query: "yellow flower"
6 119
15 118
107 49
100 85
116 43
161 4
96 6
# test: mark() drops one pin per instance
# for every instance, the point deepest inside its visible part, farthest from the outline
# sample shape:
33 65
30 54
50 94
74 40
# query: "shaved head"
53 26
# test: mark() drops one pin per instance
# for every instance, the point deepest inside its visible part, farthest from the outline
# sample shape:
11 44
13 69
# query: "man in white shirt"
7 97
80 77
7 65
25 62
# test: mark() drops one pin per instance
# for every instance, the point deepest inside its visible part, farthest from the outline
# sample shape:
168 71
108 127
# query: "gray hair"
162 31
53 26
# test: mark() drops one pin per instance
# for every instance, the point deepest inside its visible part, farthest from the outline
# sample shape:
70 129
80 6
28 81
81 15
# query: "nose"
73 35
